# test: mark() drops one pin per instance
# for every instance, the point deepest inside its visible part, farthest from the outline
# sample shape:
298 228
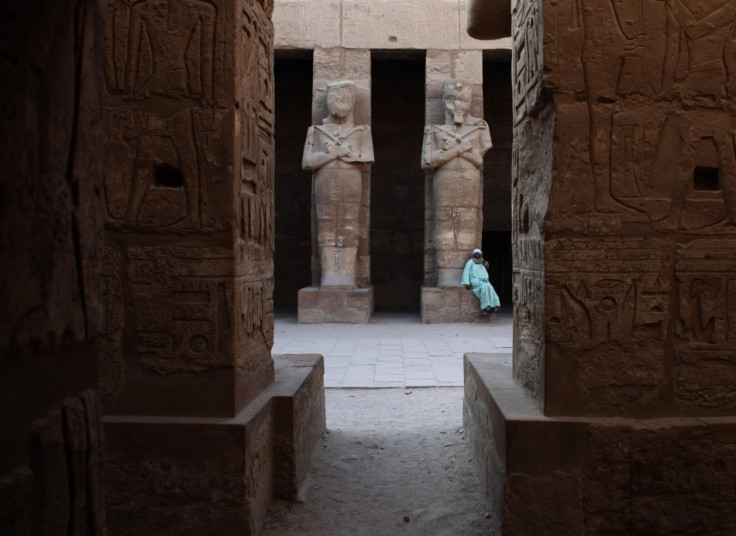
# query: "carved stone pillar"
453 186
340 294
51 444
189 259
624 244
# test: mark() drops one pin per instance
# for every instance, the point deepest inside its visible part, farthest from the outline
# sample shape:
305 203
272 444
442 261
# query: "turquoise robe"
476 275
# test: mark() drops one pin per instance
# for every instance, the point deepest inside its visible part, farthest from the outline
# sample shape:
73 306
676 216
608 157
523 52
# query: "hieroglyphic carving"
563 44
183 307
529 295
607 318
700 36
182 124
252 308
257 219
631 71
162 57
644 175
265 168
529 356
706 328
527 56
618 297
180 326
602 309
255 119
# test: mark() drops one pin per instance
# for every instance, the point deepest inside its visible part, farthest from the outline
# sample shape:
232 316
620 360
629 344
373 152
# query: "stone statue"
455 152
336 151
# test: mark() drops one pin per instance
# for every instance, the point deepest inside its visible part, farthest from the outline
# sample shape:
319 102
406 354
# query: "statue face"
458 102
340 101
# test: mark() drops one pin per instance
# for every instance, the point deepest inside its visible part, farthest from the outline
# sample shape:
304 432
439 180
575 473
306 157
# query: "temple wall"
51 445
396 32
402 24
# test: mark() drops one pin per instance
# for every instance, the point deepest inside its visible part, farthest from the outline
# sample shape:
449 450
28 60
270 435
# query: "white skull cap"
477 250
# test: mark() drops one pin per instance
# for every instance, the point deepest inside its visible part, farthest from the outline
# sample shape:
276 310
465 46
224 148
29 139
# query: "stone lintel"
595 475
451 305
196 475
335 304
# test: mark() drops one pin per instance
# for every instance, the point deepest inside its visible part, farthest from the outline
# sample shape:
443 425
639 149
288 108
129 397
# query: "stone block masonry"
620 416
204 428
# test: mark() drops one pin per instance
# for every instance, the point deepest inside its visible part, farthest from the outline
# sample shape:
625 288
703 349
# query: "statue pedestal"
335 304
450 305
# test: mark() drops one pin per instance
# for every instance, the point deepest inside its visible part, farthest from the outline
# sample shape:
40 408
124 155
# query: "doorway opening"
292 185
497 111
397 179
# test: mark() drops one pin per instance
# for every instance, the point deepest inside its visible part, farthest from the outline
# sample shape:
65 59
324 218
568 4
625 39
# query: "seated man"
475 276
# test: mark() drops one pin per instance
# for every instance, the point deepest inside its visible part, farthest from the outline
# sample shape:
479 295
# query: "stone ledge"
591 475
451 305
335 305
197 475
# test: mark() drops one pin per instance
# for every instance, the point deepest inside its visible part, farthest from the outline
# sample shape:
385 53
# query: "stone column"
443 299
331 303
624 275
51 444
188 120
189 262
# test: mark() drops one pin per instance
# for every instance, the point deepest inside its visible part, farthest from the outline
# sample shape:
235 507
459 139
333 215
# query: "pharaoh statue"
455 152
336 151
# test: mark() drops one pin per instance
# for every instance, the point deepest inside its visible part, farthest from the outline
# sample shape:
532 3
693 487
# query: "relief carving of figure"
336 151
455 152
169 73
679 50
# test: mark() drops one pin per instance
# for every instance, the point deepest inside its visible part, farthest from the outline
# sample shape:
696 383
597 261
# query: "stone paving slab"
394 350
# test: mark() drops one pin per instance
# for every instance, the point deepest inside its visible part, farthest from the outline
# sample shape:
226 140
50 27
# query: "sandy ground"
394 461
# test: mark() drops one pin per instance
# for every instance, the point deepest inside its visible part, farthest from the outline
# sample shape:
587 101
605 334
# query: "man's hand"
468 287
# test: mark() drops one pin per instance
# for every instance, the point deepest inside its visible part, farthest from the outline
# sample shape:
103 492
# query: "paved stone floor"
394 349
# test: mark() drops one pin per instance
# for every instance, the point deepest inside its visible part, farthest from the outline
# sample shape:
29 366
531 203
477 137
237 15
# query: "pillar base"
595 475
187 476
335 305
451 305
